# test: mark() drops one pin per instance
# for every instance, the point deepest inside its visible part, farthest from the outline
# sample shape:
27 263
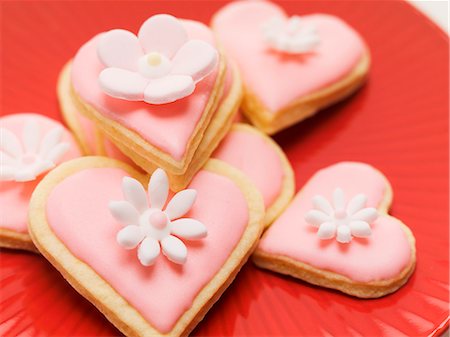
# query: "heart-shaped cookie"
96 142
263 162
115 70
332 236
291 67
31 145
74 222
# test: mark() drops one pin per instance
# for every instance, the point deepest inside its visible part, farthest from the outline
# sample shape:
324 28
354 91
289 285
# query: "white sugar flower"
341 220
290 35
160 65
25 159
152 228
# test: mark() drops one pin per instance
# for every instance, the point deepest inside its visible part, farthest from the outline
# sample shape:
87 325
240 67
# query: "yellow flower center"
154 59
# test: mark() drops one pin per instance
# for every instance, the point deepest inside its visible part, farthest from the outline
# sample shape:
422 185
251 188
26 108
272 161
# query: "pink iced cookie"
291 67
31 145
336 233
263 162
183 249
137 88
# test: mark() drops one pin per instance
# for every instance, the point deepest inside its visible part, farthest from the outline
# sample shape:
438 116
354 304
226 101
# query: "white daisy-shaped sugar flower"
160 65
340 219
291 35
150 227
24 159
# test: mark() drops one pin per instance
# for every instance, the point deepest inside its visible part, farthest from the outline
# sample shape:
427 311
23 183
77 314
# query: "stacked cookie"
175 194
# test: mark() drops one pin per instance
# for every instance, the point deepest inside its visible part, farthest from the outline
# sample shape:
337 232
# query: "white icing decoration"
150 227
26 158
290 35
160 65
340 219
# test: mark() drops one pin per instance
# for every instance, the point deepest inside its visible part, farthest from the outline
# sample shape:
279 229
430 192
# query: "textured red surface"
397 122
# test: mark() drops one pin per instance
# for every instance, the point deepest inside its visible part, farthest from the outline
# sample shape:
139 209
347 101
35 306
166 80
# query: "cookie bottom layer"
271 122
14 240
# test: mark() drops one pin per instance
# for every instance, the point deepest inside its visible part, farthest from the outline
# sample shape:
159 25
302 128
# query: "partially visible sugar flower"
291 35
160 65
151 227
341 219
26 158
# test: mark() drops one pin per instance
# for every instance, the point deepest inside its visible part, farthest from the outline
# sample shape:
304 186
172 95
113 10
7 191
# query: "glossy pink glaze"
15 196
151 122
78 209
252 155
278 78
381 256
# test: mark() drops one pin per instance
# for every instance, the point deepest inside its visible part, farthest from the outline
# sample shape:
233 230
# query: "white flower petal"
158 189
6 159
6 173
9 143
360 229
316 218
148 251
174 249
181 203
327 230
123 84
55 154
124 212
343 234
357 203
134 193
168 89
50 141
129 237
339 199
196 58
368 215
26 174
31 135
162 33
322 204
189 229
120 49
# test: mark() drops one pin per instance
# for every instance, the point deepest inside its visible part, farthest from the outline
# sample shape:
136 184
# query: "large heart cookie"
111 94
291 67
80 223
332 236
95 142
31 145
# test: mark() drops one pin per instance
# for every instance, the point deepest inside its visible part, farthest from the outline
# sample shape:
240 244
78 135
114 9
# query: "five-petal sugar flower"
150 227
25 159
160 65
339 219
291 35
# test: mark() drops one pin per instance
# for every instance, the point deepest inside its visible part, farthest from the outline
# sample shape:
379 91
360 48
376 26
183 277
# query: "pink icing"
258 159
164 291
381 256
151 122
277 78
15 196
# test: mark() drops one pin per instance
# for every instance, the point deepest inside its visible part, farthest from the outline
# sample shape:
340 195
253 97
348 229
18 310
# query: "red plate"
397 122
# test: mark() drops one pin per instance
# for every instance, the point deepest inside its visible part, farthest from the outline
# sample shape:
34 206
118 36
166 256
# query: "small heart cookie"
31 145
263 162
336 233
88 216
153 94
291 67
